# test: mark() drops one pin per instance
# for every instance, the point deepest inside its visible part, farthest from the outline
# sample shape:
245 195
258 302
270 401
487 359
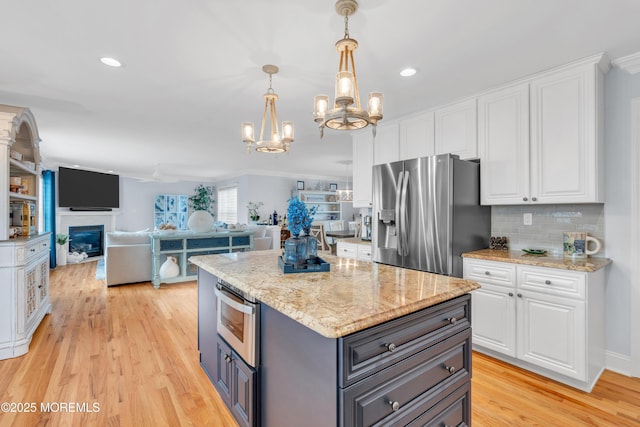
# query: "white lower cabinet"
359 251
547 320
24 294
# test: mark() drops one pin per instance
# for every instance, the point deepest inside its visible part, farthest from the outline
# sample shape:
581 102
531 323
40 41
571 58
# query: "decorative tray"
535 251
316 266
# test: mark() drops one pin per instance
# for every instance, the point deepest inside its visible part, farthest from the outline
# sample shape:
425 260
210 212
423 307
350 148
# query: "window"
228 204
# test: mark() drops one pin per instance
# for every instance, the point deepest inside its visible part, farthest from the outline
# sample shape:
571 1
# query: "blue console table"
184 244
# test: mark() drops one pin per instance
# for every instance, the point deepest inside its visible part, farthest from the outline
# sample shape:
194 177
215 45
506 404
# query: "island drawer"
403 392
365 353
453 410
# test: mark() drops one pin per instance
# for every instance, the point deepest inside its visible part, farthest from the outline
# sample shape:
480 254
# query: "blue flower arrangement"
299 217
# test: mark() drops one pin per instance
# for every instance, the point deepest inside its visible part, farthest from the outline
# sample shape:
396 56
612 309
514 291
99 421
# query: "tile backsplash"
549 221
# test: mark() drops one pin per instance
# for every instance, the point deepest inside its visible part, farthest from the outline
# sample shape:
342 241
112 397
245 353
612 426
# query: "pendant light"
347 113
276 142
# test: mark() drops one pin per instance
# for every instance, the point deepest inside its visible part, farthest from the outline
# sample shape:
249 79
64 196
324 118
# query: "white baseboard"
619 363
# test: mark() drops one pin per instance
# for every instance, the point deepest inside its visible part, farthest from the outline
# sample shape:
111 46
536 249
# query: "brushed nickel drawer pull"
391 347
395 405
451 369
453 320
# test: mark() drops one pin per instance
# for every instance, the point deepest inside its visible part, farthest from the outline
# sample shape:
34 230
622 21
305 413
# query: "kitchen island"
362 344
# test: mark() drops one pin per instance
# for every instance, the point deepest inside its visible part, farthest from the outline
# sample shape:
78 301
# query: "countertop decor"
518 257
353 296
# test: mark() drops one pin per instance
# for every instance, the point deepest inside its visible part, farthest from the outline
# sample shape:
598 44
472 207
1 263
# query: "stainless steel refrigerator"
426 213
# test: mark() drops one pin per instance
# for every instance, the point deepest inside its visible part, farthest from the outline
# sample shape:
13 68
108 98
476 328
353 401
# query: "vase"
298 250
170 268
311 247
61 255
294 250
200 222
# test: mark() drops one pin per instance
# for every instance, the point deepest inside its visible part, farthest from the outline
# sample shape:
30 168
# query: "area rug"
100 269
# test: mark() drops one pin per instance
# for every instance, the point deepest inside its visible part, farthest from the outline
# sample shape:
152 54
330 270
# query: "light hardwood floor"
133 351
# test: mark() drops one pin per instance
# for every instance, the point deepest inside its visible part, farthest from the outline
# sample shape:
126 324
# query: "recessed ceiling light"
408 72
111 62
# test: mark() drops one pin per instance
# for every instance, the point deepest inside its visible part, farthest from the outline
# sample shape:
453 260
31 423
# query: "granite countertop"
356 240
353 296
519 257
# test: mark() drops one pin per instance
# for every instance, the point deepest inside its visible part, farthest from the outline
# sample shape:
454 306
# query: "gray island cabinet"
365 344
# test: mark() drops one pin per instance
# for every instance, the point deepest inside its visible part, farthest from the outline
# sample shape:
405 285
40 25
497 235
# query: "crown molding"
629 63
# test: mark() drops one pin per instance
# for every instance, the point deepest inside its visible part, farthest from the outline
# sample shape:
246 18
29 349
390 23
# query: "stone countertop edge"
356 240
589 265
353 296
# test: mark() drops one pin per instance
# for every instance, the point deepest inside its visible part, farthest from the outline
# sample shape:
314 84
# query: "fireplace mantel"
66 218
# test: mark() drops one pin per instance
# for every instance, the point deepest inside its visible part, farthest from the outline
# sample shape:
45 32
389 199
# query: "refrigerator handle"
403 208
398 218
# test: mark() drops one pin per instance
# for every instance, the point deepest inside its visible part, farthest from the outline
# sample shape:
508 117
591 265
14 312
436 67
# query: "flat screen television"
87 190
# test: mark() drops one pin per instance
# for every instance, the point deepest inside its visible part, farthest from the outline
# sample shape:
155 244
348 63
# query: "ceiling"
192 71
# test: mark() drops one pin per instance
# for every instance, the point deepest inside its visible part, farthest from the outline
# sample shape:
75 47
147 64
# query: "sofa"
261 241
127 257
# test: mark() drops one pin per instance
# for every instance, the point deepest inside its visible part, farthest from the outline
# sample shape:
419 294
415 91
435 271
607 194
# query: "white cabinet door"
364 252
503 146
347 250
564 137
551 333
493 318
386 144
456 130
362 173
417 136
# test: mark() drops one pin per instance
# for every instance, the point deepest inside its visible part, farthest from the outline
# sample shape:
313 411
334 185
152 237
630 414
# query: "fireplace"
88 239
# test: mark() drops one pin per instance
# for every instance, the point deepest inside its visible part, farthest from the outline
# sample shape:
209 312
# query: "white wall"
137 198
620 87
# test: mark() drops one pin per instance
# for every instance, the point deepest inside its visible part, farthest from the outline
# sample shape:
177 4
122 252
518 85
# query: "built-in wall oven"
238 321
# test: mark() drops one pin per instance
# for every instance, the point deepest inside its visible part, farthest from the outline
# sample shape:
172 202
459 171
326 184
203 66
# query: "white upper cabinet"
386 144
362 173
456 130
541 142
417 136
567 158
503 145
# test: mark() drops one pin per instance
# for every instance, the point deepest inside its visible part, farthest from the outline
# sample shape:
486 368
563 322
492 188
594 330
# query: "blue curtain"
49 210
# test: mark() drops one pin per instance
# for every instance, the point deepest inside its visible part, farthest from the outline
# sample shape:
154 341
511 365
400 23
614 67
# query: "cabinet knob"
519 295
524 199
453 320
547 282
391 347
451 369
534 199
510 294
227 358
486 273
32 250
395 405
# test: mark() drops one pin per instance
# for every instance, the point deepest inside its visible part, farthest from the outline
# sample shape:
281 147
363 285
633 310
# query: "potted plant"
202 201
61 250
254 208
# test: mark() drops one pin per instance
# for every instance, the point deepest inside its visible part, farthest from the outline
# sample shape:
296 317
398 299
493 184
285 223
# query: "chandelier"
276 142
345 115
